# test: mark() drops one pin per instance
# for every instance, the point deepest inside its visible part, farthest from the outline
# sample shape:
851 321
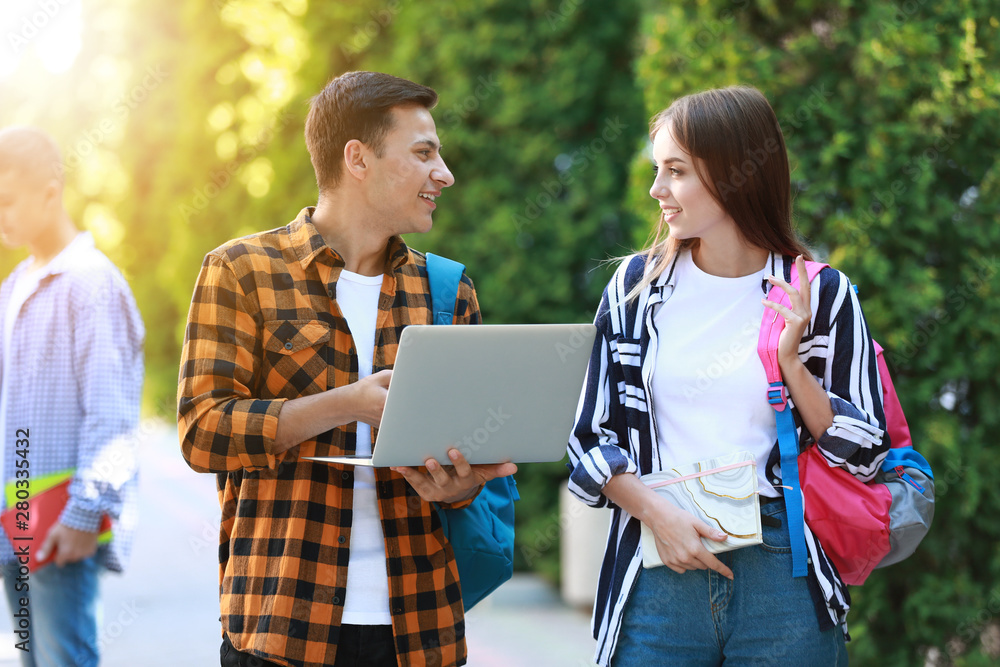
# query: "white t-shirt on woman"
709 387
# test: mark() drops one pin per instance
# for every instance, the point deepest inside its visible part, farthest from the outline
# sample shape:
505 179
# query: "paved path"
166 606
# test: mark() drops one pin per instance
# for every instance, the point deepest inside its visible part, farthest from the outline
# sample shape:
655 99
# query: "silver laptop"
500 392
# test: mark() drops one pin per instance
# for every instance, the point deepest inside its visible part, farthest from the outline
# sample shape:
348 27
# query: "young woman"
675 378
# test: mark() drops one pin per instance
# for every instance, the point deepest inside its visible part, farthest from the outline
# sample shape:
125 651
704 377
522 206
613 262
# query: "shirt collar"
308 243
667 278
70 256
777 265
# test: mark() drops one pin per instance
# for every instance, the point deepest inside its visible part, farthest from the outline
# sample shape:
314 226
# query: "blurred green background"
182 120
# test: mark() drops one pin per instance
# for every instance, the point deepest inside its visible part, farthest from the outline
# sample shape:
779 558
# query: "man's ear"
356 159
52 193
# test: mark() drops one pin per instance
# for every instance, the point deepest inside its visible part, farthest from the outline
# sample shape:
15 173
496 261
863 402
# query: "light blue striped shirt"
73 379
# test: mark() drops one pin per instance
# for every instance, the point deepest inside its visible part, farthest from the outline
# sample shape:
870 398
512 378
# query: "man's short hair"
356 105
30 152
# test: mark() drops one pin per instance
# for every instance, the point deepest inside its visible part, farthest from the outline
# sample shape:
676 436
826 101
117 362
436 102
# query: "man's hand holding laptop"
434 482
454 483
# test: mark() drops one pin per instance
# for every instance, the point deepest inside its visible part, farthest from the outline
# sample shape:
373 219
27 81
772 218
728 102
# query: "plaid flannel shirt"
264 327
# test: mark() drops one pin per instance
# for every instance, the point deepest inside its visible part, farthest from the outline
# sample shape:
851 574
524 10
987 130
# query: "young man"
289 343
71 372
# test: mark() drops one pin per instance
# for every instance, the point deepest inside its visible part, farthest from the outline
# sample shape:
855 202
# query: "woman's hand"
796 318
677 532
809 396
678 539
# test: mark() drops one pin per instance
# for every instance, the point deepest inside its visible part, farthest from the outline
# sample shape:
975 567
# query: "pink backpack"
861 526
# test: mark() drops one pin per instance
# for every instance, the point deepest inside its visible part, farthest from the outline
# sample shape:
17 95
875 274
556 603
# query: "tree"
197 150
538 116
891 116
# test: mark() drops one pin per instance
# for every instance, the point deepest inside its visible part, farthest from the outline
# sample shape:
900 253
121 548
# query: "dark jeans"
360 646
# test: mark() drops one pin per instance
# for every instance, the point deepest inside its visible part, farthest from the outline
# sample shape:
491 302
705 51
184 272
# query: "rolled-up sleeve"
221 426
857 440
595 452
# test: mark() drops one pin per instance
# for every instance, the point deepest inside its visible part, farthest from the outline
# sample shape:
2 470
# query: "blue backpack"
482 534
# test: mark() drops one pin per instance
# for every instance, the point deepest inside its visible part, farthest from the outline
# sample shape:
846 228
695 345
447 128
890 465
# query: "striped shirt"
615 431
73 380
264 327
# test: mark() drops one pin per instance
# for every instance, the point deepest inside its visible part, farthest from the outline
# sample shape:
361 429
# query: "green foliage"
182 124
539 118
892 118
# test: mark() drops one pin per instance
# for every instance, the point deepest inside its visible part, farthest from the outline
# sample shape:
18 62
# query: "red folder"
29 528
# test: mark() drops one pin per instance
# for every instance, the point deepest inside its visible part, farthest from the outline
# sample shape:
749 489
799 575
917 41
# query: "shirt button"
397 610
345 475
288 345
341 539
336 600
351 352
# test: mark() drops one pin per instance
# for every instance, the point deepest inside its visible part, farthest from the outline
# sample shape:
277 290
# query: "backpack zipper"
906 478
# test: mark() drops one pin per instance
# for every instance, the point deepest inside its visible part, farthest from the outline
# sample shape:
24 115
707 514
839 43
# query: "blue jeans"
62 608
700 618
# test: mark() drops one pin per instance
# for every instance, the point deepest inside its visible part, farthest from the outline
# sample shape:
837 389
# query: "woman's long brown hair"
740 157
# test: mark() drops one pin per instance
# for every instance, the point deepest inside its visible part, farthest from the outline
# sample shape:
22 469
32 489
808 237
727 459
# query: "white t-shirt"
24 287
367 600
709 386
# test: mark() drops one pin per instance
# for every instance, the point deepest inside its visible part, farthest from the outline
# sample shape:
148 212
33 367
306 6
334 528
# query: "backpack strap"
777 395
482 534
444 276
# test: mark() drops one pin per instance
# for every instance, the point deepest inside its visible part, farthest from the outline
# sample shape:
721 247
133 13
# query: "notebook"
721 491
502 392
28 528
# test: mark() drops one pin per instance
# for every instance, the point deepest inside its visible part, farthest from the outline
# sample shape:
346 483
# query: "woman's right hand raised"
678 539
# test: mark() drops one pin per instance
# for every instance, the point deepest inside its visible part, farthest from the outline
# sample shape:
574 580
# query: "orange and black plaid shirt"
264 327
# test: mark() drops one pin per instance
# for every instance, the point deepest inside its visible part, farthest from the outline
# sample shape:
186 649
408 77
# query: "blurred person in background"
71 373
289 340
